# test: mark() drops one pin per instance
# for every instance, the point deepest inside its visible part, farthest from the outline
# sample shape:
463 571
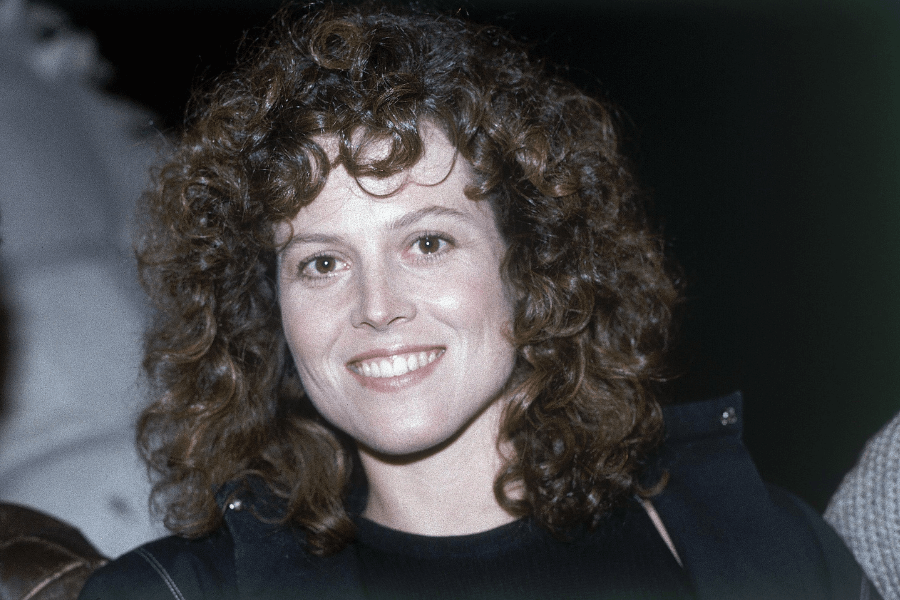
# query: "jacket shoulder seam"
161 571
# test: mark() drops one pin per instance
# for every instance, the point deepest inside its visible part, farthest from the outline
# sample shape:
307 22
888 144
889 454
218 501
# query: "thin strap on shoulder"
161 571
661 528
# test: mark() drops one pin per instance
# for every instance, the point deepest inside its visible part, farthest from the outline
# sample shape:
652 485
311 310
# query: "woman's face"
394 308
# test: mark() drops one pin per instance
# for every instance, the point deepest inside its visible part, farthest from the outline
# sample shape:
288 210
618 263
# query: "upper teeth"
395 366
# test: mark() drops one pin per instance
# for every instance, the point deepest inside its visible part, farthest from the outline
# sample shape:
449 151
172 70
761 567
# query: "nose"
382 299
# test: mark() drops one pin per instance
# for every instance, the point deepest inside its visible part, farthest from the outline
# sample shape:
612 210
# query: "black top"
623 558
738 538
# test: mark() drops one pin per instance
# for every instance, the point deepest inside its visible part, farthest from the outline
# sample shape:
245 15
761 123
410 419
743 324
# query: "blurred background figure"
72 163
865 510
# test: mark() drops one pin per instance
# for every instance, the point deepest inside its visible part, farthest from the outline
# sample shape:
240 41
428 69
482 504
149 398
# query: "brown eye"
429 244
324 264
319 267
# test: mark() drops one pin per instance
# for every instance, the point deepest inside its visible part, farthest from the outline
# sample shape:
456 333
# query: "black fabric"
738 539
624 558
170 568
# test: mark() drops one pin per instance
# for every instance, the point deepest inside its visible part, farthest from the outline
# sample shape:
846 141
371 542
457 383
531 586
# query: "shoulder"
730 526
252 555
169 568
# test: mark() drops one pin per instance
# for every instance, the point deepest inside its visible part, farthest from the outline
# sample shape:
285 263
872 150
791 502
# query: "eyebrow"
417 215
401 222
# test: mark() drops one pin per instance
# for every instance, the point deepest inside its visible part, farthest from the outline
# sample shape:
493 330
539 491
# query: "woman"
409 310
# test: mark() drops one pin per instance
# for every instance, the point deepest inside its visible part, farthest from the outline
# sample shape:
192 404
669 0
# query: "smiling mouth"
395 366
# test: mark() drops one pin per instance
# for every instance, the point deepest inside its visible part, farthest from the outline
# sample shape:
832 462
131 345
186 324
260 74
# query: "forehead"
435 185
435 164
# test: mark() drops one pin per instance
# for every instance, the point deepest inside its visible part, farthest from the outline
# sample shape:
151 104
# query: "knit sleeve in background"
865 510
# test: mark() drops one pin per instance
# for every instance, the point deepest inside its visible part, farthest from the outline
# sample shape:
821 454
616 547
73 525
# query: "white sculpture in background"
73 161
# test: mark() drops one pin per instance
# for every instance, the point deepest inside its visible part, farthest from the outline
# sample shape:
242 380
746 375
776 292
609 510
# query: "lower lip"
393 384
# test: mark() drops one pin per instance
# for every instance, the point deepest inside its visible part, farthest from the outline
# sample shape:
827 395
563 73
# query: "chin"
399 441
411 445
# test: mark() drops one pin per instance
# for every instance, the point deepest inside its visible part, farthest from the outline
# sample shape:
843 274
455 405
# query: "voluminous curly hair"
596 301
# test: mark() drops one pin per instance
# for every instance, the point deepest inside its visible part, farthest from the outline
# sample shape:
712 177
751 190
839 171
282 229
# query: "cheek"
309 351
307 330
479 303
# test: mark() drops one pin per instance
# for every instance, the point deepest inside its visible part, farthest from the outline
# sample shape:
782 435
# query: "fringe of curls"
596 301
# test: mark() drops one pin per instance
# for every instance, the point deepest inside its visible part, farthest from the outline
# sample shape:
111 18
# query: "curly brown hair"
596 301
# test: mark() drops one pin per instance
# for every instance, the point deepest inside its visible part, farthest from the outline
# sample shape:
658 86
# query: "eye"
430 244
321 266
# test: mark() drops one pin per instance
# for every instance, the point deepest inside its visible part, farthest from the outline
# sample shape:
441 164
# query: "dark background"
769 133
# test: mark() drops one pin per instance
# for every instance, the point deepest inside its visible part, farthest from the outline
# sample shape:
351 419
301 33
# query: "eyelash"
444 242
302 267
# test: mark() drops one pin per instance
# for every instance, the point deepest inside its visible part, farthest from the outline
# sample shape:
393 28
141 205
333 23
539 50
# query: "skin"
364 280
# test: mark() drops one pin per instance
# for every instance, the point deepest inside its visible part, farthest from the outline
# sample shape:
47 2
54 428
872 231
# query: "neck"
446 492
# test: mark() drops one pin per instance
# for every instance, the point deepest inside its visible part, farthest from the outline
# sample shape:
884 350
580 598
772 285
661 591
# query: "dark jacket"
737 537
